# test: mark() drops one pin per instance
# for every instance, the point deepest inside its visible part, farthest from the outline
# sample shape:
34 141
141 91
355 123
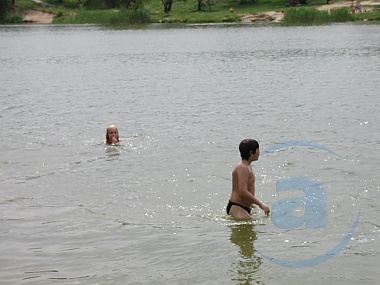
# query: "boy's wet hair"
246 146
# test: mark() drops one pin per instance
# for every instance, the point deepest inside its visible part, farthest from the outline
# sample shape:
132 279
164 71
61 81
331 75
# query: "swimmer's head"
247 147
112 134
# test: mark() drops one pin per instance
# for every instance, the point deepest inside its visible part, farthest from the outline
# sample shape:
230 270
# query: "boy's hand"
265 208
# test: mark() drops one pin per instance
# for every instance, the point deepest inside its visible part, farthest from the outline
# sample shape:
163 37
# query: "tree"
111 3
167 6
247 1
208 3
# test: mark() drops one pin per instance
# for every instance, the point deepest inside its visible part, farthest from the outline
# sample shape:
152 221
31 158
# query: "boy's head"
246 147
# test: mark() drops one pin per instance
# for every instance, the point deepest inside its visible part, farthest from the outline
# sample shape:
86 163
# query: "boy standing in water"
243 183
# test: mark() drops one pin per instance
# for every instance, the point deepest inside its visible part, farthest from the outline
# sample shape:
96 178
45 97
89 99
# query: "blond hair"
108 129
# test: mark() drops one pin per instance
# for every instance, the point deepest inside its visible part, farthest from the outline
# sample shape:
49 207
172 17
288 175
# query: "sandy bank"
277 16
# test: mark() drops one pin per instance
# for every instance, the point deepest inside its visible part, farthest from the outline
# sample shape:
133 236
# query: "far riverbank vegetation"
125 12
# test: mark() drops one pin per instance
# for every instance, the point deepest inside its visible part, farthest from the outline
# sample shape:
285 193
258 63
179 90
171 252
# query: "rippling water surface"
152 211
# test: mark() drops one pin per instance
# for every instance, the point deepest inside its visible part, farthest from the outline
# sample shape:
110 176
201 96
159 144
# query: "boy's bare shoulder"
241 167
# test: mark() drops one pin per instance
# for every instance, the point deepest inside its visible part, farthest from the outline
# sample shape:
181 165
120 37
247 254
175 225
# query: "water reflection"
112 151
244 236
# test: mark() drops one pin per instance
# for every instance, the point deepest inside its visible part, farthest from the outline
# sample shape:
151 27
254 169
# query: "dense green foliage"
8 13
4 6
314 16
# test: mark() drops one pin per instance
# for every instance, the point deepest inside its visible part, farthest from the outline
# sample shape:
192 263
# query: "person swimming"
112 135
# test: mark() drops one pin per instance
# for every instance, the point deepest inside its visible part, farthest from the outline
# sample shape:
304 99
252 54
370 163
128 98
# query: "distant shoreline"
35 16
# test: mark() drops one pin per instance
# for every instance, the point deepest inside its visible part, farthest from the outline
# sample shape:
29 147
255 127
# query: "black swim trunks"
230 204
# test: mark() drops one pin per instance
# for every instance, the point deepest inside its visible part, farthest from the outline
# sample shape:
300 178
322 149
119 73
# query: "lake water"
152 210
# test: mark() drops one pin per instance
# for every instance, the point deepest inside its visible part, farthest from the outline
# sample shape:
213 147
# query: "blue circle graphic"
297 143
328 254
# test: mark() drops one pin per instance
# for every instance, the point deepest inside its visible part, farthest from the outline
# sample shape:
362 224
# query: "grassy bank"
110 17
187 11
314 16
